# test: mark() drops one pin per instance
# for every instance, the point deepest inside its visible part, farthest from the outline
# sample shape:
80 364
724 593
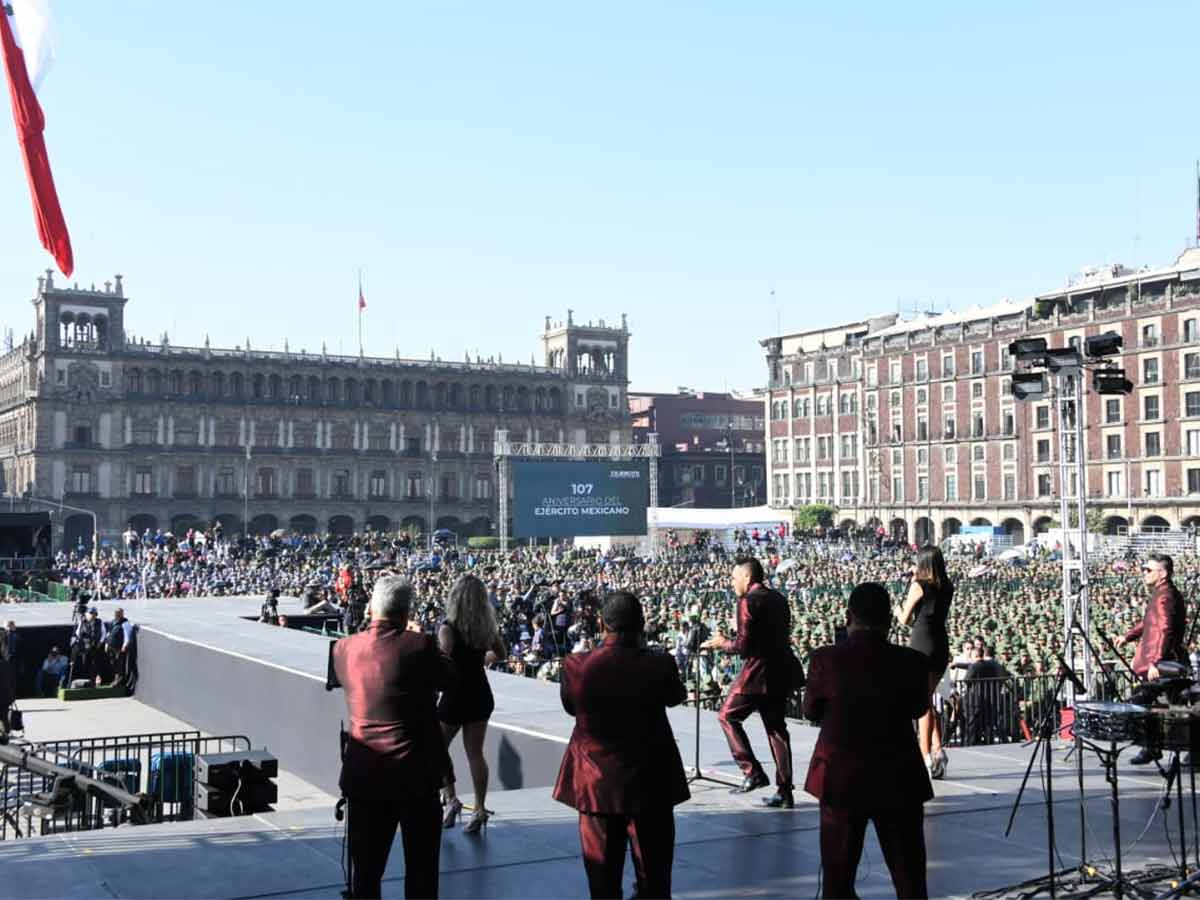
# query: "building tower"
595 358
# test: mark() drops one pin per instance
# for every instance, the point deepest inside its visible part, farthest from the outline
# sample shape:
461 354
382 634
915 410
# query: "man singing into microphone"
1160 634
770 673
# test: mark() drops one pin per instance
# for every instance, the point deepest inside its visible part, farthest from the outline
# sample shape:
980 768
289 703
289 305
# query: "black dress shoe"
781 800
1144 756
751 783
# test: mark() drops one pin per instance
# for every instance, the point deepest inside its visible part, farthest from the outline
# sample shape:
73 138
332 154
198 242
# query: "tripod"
1045 733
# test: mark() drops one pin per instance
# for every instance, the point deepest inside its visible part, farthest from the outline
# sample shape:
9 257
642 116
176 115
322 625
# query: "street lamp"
246 495
732 483
432 494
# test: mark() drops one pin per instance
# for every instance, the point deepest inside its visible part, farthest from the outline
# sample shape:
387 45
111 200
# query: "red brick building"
694 430
912 424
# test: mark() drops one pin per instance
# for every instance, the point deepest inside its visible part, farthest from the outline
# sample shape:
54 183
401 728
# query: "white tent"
682 519
749 518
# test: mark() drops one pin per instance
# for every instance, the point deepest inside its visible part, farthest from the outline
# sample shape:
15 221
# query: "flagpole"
360 312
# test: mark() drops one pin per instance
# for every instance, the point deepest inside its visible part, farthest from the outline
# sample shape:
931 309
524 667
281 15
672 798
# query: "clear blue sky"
488 164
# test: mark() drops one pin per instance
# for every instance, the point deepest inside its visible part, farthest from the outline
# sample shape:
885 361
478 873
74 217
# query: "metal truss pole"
1081 494
1062 404
502 451
652 523
1068 392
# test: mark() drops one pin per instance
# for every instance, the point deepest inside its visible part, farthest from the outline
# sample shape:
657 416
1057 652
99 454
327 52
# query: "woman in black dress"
926 608
471 638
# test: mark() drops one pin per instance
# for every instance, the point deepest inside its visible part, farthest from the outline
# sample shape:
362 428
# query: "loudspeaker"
224 769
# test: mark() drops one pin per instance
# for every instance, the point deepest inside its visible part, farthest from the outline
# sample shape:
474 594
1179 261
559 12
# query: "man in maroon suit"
395 759
770 673
865 693
1161 631
622 769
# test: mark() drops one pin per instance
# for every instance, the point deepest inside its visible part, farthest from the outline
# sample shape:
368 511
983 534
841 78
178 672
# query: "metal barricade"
158 764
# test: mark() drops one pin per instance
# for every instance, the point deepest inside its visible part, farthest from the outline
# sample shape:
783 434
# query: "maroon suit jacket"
1161 631
764 642
865 693
391 678
622 758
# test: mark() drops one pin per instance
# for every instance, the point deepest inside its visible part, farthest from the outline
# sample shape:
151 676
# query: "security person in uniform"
395 760
119 645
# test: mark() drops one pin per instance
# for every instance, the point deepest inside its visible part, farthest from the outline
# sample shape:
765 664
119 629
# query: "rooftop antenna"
778 315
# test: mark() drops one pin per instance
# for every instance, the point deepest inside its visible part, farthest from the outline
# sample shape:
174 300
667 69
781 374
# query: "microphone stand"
697 773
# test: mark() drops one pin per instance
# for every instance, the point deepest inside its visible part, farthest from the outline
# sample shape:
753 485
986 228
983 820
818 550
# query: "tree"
1094 519
813 516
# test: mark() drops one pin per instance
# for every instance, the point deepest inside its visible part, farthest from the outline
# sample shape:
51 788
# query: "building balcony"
184 495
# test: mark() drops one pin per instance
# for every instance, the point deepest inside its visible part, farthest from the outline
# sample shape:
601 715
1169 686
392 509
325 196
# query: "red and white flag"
24 40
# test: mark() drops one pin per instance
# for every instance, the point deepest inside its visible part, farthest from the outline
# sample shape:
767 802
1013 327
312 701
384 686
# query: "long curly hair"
468 610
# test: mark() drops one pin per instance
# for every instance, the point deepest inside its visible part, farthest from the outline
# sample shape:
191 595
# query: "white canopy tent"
722 522
748 518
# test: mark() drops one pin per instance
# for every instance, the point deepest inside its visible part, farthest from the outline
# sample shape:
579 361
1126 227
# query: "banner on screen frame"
580 499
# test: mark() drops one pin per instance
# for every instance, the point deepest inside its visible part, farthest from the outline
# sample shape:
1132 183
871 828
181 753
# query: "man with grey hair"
395 760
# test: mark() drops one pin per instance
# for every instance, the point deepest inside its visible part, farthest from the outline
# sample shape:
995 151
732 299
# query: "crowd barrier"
159 764
10 594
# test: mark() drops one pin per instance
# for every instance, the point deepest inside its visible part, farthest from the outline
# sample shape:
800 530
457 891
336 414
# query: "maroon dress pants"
650 834
735 711
901 834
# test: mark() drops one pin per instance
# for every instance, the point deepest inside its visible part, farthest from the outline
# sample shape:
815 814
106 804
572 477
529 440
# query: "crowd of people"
547 598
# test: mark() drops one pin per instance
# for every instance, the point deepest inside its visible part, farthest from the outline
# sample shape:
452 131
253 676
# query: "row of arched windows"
383 393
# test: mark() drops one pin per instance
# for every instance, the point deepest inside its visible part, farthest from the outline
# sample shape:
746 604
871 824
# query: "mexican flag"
25 49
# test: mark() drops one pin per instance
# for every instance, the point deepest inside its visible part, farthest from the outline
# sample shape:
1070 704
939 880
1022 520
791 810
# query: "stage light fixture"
1025 349
1029 385
1101 345
1111 381
1063 359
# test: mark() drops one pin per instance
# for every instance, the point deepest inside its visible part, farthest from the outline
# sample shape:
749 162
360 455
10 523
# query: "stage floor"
726 847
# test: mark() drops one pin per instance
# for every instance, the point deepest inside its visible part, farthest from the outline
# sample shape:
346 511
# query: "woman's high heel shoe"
942 761
453 811
478 822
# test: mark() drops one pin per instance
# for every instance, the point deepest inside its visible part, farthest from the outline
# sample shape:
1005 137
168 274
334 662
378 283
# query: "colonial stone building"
913 424
163 436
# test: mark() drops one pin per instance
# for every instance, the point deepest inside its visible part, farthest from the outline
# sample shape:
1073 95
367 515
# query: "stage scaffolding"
506 451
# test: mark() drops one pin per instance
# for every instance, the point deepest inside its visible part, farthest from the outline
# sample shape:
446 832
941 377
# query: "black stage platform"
205 664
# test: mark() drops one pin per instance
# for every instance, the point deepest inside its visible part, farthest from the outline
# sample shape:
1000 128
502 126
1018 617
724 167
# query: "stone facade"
912 424
163 436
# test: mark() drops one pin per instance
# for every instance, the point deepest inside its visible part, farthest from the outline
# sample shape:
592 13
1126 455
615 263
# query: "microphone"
1066 670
